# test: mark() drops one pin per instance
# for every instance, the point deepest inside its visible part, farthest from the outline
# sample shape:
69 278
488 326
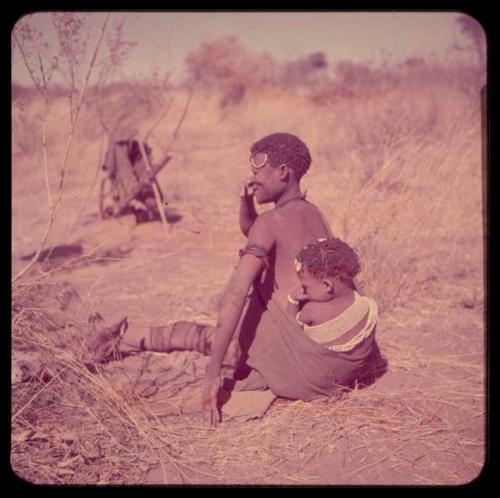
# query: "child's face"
315 289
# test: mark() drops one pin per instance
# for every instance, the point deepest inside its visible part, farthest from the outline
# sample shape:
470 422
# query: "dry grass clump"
71 424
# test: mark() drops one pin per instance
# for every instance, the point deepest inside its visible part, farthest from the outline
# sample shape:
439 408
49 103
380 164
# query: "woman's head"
324 264
284 148
275 160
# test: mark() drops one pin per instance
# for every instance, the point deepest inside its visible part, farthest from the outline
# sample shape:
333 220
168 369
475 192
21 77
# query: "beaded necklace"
295 198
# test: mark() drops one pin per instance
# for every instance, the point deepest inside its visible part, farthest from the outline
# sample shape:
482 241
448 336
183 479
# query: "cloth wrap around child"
283 358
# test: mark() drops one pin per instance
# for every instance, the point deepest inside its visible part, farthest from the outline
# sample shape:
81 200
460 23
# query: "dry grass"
398 174
78 426
71 424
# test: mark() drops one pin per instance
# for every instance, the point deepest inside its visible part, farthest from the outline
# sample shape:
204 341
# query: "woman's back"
294 225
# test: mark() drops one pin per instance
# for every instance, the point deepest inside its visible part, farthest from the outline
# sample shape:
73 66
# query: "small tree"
35 51
226 65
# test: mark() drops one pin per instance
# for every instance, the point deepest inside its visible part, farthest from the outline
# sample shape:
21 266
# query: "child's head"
324 264
276 160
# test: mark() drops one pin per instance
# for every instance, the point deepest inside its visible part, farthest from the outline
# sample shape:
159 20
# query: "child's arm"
248 214
296 299
292 308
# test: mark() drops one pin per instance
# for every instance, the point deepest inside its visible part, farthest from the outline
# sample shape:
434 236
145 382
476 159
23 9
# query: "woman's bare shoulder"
263 224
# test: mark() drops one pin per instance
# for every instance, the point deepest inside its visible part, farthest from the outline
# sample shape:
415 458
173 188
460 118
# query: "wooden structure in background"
130 183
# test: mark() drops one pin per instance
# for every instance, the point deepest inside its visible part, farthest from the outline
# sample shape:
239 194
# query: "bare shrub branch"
65 160
118 51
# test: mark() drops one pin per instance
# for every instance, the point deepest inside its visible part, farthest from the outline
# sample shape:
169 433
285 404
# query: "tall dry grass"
72 423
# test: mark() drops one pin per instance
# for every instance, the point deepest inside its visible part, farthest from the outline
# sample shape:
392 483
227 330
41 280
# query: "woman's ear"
283 171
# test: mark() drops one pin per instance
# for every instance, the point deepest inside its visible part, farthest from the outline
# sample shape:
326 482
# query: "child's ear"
330 287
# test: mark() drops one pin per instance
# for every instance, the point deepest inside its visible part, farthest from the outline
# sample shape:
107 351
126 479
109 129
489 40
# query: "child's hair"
329 258
285 148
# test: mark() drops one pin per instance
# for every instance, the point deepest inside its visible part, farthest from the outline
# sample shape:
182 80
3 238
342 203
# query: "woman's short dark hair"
285 148
330 258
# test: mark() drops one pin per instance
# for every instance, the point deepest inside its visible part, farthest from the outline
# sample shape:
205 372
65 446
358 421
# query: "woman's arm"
248 213
232 303
229 314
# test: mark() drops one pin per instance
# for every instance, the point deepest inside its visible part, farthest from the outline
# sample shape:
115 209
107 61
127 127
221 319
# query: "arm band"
256 250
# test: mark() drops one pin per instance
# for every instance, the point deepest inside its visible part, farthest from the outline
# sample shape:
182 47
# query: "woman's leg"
104 339
176 336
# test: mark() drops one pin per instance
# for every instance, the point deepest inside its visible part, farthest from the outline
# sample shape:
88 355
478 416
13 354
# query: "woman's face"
267 184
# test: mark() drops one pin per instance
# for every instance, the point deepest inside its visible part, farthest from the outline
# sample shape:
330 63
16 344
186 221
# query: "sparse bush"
307 70
226 66
355 78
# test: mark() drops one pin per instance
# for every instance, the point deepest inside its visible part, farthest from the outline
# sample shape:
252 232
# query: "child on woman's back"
330 311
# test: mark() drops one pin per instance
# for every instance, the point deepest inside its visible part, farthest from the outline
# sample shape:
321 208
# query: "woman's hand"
247 187
210 409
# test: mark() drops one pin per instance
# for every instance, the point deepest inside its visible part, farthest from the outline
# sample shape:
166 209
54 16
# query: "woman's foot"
103 341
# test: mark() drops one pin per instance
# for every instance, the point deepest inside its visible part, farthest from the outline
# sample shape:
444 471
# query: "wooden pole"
155 187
